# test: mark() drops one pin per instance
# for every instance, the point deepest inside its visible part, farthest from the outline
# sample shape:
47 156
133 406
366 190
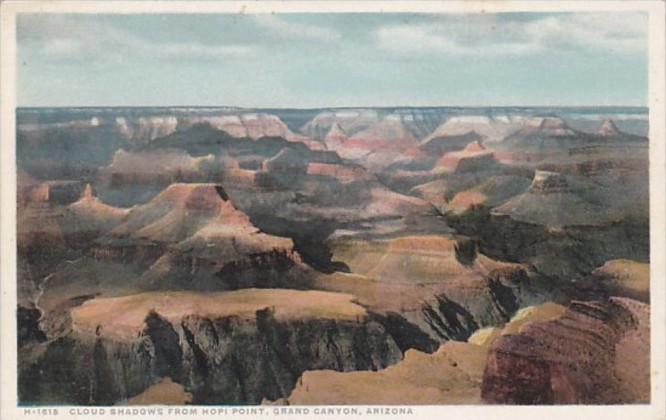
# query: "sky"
333 60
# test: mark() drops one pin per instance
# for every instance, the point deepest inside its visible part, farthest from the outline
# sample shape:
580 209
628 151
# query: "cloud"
490 35
617 32
429 39
98 41
279 28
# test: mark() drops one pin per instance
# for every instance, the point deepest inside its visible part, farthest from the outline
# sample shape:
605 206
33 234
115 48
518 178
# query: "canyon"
333 256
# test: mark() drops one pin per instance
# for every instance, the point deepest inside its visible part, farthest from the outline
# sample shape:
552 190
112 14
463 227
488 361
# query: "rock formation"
550 201
349 120
234 347
440 285
91 214
451 375
417 255
496 190
195 235
595 352
474 157
491 129
625 278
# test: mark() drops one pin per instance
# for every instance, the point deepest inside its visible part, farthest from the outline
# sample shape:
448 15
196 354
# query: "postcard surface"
332 210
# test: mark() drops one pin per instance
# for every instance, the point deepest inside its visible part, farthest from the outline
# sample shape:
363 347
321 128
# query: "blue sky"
316 60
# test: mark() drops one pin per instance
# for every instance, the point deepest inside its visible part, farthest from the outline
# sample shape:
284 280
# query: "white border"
657 87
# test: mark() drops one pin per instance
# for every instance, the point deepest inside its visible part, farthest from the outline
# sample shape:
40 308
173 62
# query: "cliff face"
562 255
582 357
467 305
590 352
432 227
189 237
561 226
242 355
438 286
422 316
283 349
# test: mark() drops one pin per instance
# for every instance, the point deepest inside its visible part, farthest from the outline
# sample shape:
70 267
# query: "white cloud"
428 39
88 41
486 35
291 30
105 42
611 31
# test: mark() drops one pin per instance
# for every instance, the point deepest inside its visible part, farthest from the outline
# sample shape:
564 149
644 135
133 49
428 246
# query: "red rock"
574 358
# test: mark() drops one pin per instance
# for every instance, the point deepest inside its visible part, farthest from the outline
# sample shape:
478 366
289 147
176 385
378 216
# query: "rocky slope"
596 352
91 214
491 129
493 192
335 137
350 121
437 287
545 354
624 278
552 202
50 234
543 133
376 147
164 392
217 255
232 347
572 355
567 218
473 157
190 237
251 125
451 375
